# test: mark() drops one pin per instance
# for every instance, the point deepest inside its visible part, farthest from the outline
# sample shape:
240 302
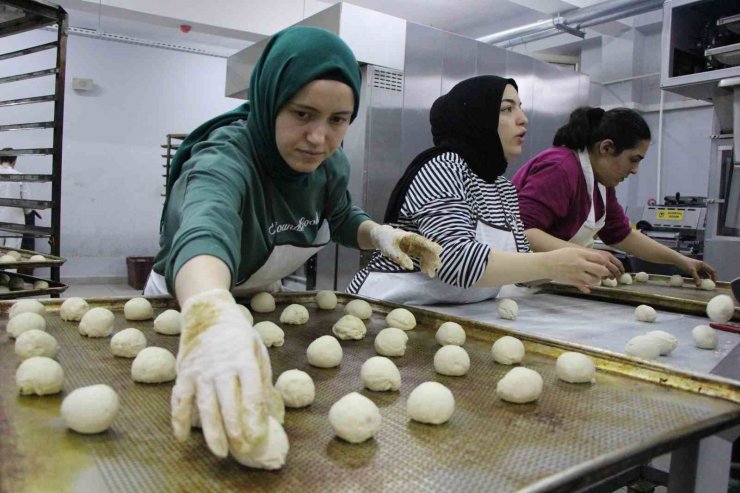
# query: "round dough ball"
294 315
625 279
645 313
24 322
326 300
247 314
25 306
7 259
270 333
609 283
40 285
452 361
324 352
16 283
642 277
153 365
138 309
90 409
667 342
360 309
271 452
676 281
508 309
520 385
36 343
575 367
508 350
391 342
643 346
40 376
430 402
262 302
167 322
720 308
128 343
15 254
705 337
296 387
380 374
4 289
73 309
36 258
97 322
450 333
707 285
401 318
354 418
4 279
349 327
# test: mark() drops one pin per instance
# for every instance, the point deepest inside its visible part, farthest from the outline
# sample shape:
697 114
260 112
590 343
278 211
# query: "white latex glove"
224 369
399 245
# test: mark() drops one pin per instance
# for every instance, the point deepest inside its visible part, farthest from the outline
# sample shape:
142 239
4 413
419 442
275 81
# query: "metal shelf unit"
170 149
19 16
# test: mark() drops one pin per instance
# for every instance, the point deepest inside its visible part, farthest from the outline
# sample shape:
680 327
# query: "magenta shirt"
553 197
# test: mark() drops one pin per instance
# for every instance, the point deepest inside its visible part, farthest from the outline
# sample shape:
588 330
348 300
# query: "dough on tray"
380 374
294 314
452 361
508 350
575 367
90 409
153 365
24 322
270 333
127 343
262 302
349 327
401 318
168 322
431 403
721 308
705 337
296 387
391 342
645 313
508 309
327 300
97 322
40 376
520 385
359 308
354 418
450 333
324 352
644 346
73 309
24 306
138 309
36 343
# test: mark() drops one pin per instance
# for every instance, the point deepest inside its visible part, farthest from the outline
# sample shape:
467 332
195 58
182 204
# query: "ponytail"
589 126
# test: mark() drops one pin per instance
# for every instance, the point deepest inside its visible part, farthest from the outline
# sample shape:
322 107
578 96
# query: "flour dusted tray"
572 436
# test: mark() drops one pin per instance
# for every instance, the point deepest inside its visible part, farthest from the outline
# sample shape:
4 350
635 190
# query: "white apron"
585 235
416 288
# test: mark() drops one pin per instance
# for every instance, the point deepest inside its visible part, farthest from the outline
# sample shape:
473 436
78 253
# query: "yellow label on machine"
670 215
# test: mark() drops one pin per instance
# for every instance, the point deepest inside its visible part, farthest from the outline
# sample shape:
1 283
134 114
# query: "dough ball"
40 376
324 352
349 327
294 315
128 343
508 309
609 283
36 343
520 385
391 342
270 333
247 314
153 365
645 313
4 279
705 337
73 309
720 308
138 309
24 306
359 308
643 346
36 258
642 277
625 279
354 418
40 285
167 322
24 322
575 367
507 350
16 283
97 322
7 259
450 333
262 302
326 300
296 387
452 361
401 318
4 289
15 254
270 453
90 409
380 374
676 281
430 402
667 342
707 285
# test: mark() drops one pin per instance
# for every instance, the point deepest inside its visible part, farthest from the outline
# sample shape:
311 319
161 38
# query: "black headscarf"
464 121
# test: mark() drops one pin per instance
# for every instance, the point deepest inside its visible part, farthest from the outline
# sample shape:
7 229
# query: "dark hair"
8 159
588 126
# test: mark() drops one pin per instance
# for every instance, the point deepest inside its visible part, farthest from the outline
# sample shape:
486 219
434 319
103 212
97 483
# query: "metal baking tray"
732 23
28 289
656 293
572 436
51 260
728 54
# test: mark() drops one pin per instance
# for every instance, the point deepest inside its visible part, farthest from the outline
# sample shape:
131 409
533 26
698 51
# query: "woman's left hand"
697 269
399 245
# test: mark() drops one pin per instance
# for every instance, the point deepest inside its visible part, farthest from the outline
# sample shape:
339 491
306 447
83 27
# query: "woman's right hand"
578 266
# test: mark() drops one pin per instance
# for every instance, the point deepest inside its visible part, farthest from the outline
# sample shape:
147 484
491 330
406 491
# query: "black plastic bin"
138 270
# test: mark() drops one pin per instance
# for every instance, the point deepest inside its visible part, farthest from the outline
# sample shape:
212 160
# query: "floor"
87 289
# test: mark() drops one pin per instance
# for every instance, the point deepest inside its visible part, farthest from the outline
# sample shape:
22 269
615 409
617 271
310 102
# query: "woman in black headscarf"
456 195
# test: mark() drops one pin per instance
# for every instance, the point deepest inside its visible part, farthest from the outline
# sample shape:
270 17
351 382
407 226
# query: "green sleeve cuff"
194 248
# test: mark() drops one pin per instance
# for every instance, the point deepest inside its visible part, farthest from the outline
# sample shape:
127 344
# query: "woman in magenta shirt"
566 192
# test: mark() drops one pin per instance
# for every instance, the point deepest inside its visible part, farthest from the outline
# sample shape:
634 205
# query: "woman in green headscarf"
252 195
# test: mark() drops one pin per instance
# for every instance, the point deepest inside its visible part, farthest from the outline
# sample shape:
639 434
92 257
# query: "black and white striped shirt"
444 203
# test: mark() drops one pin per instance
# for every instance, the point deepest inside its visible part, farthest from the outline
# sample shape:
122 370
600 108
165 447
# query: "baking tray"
51 260
29 290
572 436
656 293
728 54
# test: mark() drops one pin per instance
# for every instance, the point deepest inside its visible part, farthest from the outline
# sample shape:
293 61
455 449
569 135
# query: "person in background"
456 195
11 190
567 192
